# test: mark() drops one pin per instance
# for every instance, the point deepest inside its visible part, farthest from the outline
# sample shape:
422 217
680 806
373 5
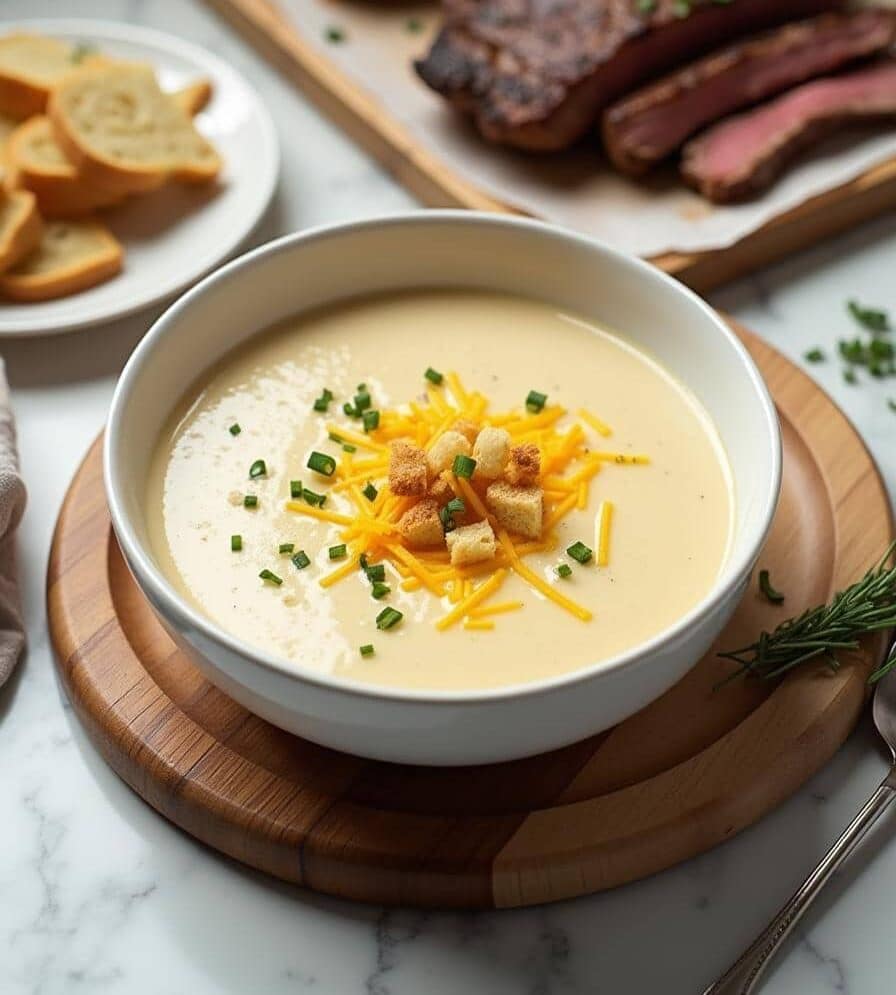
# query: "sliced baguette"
31 65
122 132
194 97
71 256
35 162
20 226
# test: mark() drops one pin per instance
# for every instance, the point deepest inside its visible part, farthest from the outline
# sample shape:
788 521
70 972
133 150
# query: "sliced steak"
654 122
538 73
741 157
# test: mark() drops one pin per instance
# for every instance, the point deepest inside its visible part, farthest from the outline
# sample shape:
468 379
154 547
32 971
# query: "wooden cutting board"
686 773
370 123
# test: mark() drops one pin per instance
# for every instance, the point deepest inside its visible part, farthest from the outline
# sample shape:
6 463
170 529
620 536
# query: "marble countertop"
100 894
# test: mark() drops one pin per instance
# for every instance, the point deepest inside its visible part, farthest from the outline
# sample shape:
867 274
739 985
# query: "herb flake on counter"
891 404
334 35
874 319
768 591
815 355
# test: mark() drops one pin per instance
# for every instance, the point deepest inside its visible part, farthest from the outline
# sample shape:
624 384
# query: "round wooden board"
689 771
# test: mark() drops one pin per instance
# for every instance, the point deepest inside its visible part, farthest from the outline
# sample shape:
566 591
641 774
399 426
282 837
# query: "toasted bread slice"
35 162
31 65
121 131
20 226
71 256
194 97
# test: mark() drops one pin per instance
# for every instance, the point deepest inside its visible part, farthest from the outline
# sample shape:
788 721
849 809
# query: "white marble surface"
99 894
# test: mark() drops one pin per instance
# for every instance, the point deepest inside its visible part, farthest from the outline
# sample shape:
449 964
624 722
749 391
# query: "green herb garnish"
446 515
258 469
250 500
891 404
337 552
874 319
367 649
376 573
295 489
563 570
765 585
236 543
269 577
535 401
815 355
370 492
362 401
315 500
850 376
322 463
301 560
347 447
868 605
286 547
433 376
322 403
371 420
388 618
580 552
380 590
334 35
235 429
349 409
463 466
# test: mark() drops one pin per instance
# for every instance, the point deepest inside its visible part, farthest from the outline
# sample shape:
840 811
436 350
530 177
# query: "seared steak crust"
537 73
650 124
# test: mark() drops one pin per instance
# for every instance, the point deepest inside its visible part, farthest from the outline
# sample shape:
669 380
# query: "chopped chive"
300 560
367 649
334 35
765 585
322 463
362 401
815 355
295 489
463 466
258 469
874 319
250 500
349 409
891 404
388 618
269 577
850 376
337 552
370 492
363 562
371 420
455 507
580 552
315 500
380 590
235 429
361 386
286 547
236 543
447 520
535 401
347 447
322 403
563 570
433 376
376 573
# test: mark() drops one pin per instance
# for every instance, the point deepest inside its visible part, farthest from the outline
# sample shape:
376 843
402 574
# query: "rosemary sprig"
868 605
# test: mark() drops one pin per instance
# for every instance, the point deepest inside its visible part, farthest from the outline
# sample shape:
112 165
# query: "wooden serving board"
686 773
370 124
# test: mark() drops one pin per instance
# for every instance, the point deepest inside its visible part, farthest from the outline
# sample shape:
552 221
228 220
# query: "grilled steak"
537 73
654 122
740 157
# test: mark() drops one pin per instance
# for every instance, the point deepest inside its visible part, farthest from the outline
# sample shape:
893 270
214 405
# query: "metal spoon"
744 975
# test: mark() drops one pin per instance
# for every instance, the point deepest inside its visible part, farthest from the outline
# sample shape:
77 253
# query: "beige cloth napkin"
12 505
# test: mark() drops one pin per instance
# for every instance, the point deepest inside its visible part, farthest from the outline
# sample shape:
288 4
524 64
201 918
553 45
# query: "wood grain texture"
687 772
370 124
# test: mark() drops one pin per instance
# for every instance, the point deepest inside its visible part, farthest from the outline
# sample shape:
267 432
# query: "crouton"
491 451
407 469
469 430
524 465
518 509
421 525
471 543
447 446
440 489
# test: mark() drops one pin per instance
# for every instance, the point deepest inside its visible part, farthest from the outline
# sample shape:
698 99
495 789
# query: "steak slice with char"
537 73
740 157
654 122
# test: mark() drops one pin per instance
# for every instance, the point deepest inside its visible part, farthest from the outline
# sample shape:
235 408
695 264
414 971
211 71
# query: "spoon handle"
743 976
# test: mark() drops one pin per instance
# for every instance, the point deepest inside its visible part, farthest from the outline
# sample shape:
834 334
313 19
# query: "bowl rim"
169 603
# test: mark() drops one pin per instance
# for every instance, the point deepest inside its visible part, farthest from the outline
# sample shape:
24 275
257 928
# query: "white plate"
174 236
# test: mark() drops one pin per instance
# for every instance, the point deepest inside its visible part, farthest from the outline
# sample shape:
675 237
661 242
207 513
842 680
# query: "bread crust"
24 231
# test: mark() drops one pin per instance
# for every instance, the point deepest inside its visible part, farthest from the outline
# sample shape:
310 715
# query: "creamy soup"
663 474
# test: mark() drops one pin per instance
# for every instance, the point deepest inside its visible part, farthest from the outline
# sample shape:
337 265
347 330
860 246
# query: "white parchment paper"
573 189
